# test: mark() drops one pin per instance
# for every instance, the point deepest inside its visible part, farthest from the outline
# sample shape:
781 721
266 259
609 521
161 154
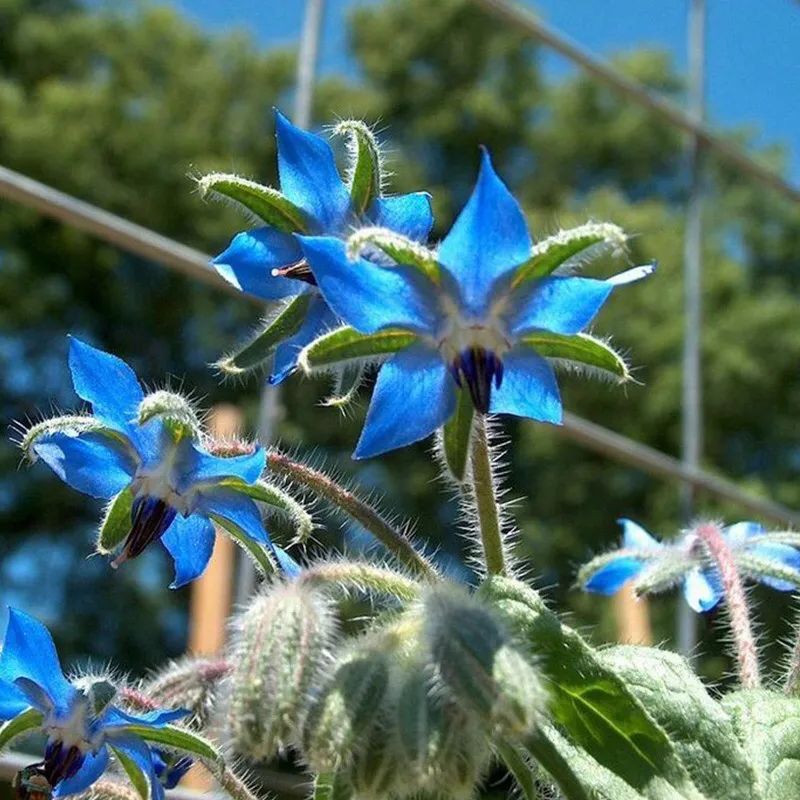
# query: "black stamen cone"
151 518
61 762
299 271
478 369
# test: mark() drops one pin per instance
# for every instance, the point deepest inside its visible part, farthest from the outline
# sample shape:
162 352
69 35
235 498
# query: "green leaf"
753 565
257 552
274 330
134 772
700 729
568 247
597 711
71 424
400 248
331 786
365 162
347 344
457 435
580 348
345 391
22 723
116 524
263 201
768 725
179 739
518 765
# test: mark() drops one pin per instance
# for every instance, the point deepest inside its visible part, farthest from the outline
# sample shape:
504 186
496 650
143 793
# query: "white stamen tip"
631 275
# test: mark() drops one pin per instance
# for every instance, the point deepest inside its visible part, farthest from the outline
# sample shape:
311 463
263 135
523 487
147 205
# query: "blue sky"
753 62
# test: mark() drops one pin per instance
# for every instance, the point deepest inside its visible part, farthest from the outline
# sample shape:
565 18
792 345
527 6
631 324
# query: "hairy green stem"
792 685
348 502
489 517
736 603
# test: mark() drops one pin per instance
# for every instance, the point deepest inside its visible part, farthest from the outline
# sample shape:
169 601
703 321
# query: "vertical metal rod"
692 446
269 410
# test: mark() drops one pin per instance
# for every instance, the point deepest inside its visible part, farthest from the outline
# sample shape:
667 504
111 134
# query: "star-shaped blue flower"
701 584
176 488
268 262
81 725
470 319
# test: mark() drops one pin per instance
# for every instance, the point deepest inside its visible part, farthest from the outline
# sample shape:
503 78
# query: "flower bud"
281 644
347 710
478 664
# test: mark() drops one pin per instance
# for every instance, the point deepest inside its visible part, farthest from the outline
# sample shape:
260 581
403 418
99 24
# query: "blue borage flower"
81 724
659 565
470 312
174 487
268 262
170 768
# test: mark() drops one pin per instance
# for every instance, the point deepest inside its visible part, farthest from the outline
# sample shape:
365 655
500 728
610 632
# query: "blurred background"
120 104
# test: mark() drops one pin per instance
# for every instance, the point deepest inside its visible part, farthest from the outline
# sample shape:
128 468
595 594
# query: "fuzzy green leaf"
116 524
700 729
331 786
365 163
580 348
348 381
517 764
274 330
22 723
257 552
457 435
71 424
179 739
347 344
263 201
566 247
753 565
590 701
134 772
399 248
768 725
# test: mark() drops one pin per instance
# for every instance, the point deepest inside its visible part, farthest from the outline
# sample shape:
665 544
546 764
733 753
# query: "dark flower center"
299 271
151 517
478 369
61 762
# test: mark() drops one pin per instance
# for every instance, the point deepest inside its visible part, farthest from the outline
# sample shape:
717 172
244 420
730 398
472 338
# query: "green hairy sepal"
174 410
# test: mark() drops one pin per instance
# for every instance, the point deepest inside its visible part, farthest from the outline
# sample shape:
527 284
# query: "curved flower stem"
736 602
489 517
792 685
363 513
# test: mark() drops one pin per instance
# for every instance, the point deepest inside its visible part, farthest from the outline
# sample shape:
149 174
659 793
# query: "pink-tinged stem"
736 602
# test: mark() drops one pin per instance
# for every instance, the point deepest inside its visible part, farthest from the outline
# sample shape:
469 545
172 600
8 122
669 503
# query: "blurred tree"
118 108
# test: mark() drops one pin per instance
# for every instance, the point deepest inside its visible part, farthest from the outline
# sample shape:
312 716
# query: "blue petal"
309 177
12 701
559 305
635 537
740 532
91 463
409 214
190 542
93 766
613 576
195 466
142 756
106 382
249 259
700 590
319 318
290 568
783 554
489 238
529 388
370 297
115 719
237 509
414 395
29 656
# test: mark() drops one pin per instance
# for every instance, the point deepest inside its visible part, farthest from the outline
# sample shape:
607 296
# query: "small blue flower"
80 724
170 768
269 263
470 323
176 487
701 583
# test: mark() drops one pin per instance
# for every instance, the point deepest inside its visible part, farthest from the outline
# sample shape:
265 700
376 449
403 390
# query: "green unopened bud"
479 664
109 790
373 770
174 410
439 745
281 645
347 710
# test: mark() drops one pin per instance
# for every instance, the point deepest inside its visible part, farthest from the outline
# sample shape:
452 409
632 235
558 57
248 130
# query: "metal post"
269 411
692 446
